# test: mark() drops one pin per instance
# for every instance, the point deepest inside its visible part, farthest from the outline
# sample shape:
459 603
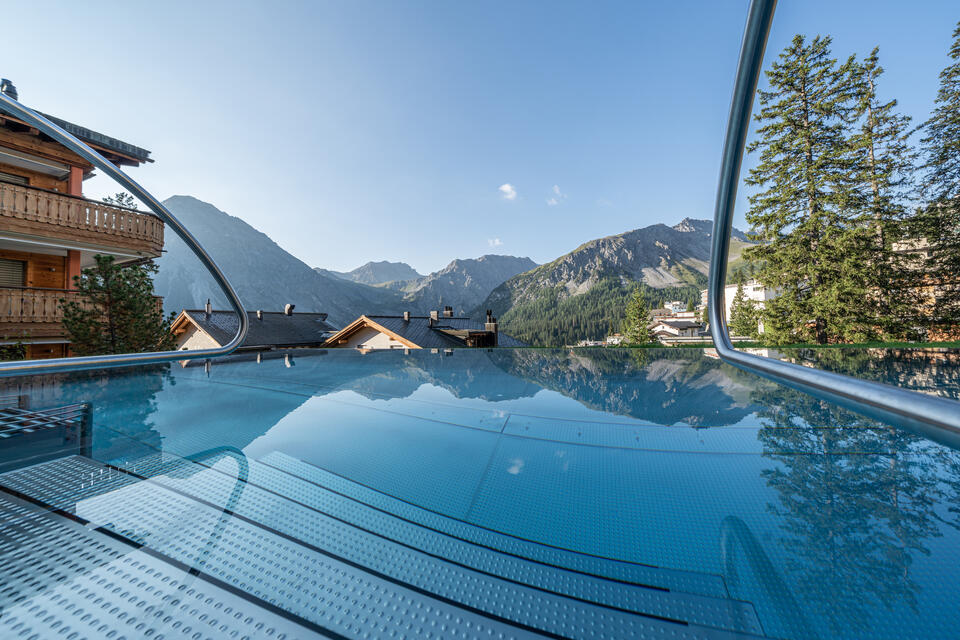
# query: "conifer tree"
939 222
743 315
801 210
883 168
636 325
117 312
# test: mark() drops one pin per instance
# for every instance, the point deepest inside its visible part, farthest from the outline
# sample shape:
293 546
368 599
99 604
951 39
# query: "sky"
426 131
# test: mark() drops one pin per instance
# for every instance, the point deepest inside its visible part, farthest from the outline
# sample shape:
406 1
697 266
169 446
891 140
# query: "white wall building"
752 289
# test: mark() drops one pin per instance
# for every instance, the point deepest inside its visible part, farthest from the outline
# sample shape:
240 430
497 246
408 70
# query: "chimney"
8 89
491 326
448 312
406 316
288 309
434 317
207 309
259 314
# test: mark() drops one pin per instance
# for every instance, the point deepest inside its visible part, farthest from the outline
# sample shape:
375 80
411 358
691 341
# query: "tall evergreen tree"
744 318
117 312
939 221
635 325
801 210
883 168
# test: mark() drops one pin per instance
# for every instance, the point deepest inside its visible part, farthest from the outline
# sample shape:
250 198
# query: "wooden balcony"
50 215
36 313
32 313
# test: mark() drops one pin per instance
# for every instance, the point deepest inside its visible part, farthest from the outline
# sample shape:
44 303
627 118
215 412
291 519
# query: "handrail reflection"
733 531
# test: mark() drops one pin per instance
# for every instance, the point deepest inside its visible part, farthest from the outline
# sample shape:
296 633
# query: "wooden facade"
49 232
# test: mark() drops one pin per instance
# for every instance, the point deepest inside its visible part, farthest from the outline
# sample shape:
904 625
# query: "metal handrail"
24 367
933 417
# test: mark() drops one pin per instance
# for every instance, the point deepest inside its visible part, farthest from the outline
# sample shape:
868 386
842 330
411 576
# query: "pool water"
565 493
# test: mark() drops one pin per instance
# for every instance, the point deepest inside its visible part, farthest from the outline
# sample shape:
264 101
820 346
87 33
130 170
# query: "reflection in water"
826 521
857 505
125 397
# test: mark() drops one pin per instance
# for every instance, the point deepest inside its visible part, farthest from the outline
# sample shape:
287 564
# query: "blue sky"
356 131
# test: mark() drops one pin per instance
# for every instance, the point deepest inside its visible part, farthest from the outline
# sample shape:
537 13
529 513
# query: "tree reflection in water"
856 504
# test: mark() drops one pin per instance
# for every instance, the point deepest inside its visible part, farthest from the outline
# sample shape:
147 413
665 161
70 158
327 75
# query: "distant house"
208 329
675 330
435 331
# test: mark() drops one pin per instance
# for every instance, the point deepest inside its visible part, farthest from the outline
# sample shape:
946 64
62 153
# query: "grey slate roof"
275 329
677 324
99 139
418 331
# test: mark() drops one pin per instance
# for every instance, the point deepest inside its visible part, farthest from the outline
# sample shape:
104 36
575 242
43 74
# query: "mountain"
582 294
264 275
378 273
462 284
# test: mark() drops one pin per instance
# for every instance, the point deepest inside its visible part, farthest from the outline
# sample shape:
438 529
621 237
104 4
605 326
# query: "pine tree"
117 312
939 221
121 199
883 169
635 326
801 210
744 318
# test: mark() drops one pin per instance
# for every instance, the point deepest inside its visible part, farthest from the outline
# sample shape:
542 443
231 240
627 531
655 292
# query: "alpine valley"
580 295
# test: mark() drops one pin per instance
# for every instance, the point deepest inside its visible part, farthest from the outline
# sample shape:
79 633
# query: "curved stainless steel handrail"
23 367
933 417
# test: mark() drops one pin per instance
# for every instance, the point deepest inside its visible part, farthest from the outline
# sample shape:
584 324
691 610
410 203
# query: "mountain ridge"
273 279
668 262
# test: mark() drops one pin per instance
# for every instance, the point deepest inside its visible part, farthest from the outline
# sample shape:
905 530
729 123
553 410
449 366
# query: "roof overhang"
31 162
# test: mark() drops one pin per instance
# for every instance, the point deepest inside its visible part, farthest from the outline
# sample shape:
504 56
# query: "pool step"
322 570
62 579
692 582
345 523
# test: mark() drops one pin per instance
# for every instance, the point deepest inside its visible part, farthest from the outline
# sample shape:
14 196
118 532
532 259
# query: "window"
15 179
12 273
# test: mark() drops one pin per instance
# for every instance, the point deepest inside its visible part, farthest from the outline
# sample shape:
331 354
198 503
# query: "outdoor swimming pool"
506 493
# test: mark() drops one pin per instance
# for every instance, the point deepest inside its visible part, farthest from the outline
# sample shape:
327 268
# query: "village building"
49 232
407 331
210 329
752 290
668 330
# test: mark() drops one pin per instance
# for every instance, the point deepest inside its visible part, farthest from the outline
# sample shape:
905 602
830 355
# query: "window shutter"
12 273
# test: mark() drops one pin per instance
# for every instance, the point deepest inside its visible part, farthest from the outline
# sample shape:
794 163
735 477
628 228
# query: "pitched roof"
417 331
130 151
678 324
276 329
99 139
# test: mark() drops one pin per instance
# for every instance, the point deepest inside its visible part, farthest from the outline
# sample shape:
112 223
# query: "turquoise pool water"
748 508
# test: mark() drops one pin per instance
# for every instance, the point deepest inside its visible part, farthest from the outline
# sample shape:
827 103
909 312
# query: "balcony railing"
52 215
26 305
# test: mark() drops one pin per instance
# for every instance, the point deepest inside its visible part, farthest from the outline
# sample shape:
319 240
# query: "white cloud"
516 466
557 197
508 190
495 242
